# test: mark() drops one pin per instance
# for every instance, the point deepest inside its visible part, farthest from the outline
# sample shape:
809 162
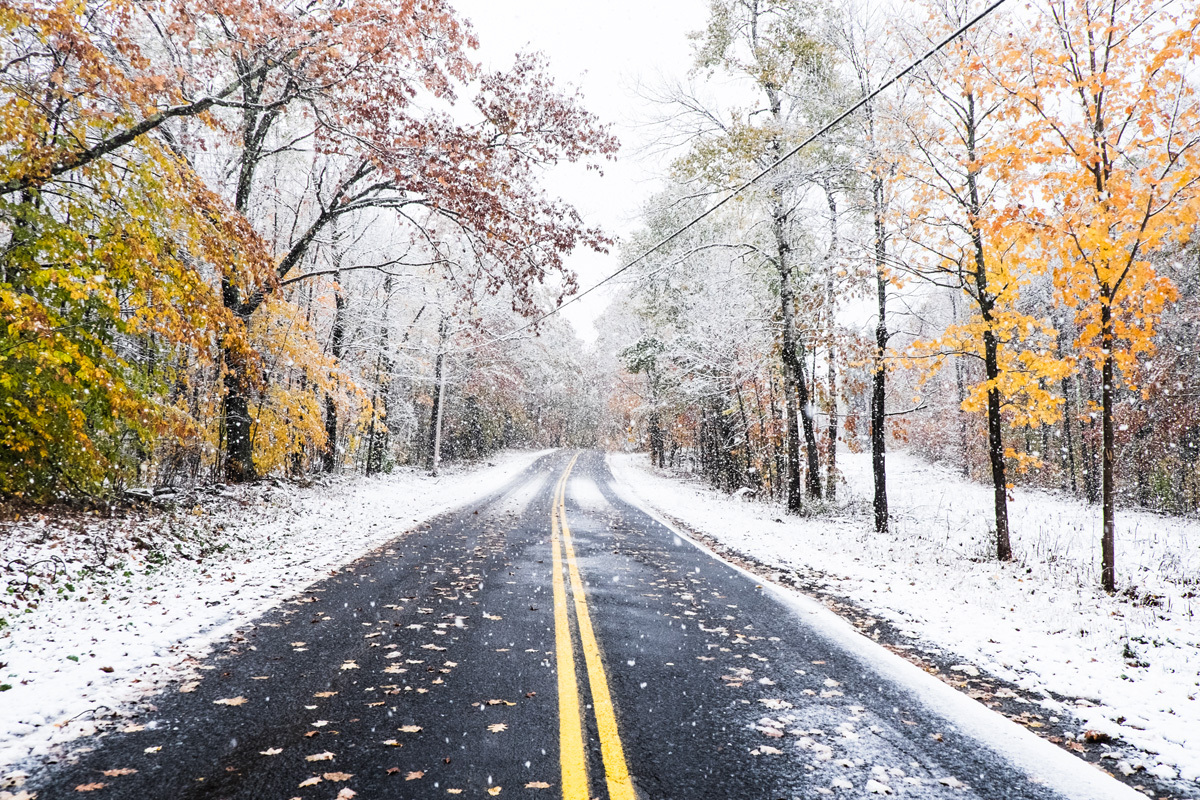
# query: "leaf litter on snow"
161 618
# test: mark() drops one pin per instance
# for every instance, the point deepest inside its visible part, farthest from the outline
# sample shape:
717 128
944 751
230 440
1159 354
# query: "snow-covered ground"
1040 622
116 636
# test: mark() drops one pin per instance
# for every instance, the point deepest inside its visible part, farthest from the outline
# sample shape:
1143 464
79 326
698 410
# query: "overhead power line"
755 179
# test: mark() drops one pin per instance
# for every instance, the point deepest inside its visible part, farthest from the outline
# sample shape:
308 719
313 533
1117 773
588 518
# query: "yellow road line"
616 770
570 724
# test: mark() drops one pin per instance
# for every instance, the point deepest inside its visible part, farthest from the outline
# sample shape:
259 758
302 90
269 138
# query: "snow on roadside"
1040 622
118 636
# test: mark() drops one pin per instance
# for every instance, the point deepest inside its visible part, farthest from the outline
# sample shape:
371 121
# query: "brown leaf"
116 773
324 694
337 776
393 743
326 756
415 775
313 781
188 688
537 785
409 728
495 790
271 751
393 770
231 701
498 727
346 794
89 787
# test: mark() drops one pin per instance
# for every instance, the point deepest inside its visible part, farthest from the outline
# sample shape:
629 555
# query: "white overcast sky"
607 49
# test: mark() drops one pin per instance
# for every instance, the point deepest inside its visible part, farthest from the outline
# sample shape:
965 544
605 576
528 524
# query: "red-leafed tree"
379 101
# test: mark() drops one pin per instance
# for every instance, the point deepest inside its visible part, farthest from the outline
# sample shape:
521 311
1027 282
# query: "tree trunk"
337 339
789 356
812 475
832 434
996 447
879 379
380 438
1108 555
237 385
239 443
439 399
831 356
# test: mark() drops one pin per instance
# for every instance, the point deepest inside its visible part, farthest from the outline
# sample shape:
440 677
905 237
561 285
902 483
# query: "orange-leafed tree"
961 222
1112 134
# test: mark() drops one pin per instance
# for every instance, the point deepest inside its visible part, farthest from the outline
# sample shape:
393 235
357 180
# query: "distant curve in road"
550 640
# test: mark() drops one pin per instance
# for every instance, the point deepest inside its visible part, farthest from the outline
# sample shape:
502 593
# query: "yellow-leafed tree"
1111 134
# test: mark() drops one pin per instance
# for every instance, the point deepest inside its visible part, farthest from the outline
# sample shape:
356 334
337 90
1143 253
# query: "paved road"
548 641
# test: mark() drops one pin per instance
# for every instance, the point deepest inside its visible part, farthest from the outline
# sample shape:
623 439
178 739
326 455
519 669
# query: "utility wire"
759 176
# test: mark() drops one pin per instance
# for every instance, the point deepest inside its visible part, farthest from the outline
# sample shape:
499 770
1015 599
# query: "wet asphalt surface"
427 669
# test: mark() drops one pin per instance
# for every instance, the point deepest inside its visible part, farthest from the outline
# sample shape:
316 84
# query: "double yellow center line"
570 713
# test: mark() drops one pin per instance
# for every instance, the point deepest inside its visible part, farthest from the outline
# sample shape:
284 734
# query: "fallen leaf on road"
952 782
337 777
324 694
313 781
133 728
321 723
116 773
431 647
450 664
500 703
349 665
188 688
495 790
841 783
231 701
454 791
297 644
152 749
375 705
409 728
875 787
89 787
271 751
415 775
260 677
492 616
346 794
326 756
498 727
393 743
775 703
767 750
537 785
